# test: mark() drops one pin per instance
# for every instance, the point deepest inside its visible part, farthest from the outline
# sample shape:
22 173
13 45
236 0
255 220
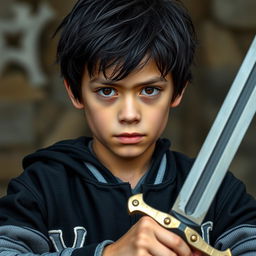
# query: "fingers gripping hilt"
137 205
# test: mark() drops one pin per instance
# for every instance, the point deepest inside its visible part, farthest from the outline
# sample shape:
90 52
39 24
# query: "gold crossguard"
137 205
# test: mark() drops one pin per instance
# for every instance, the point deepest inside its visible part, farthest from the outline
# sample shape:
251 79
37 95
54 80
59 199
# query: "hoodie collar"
154 175
77 157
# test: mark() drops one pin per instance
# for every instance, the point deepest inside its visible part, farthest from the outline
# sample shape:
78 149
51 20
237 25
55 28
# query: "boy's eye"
107 92
150 91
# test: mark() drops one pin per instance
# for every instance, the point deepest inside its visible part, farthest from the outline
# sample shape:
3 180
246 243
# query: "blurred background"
35 111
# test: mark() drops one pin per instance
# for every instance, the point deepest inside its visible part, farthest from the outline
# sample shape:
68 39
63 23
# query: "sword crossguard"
136 204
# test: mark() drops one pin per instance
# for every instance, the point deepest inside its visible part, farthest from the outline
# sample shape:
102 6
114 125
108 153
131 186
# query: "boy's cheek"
158 117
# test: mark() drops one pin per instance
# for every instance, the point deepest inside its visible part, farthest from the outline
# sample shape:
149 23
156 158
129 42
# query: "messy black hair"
125 34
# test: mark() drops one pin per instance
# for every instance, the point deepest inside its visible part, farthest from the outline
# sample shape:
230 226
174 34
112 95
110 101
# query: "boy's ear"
176 101
178 98
76 103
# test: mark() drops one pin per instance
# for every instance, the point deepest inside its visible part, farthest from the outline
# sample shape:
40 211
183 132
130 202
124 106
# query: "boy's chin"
131 152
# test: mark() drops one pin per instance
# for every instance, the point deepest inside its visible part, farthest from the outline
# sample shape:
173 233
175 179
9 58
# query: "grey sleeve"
101 246
20 241
241 240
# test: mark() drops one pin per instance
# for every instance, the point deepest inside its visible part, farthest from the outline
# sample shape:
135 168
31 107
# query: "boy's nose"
129 111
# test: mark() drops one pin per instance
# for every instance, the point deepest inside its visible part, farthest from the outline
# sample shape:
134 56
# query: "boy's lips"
130 138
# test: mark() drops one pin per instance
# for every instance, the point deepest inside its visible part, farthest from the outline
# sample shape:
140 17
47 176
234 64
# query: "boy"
125 63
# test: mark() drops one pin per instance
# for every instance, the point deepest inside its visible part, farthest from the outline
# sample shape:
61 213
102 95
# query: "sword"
212 162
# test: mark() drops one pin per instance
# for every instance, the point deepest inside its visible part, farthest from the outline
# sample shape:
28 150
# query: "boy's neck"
126 169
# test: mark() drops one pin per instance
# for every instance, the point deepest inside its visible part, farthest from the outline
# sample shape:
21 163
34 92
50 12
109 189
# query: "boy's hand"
147 237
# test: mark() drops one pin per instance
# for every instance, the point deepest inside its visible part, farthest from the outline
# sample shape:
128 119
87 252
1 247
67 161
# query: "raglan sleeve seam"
36 196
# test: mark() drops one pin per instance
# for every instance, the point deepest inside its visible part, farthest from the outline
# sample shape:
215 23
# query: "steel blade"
221 144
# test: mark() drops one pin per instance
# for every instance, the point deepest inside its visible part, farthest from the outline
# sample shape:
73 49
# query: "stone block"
239 14
219 46
58 91
48 112
69 125
220 58
198 9
11 162
5 7
15 88
16 124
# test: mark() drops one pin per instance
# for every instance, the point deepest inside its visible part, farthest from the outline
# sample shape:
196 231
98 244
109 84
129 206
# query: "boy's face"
127 117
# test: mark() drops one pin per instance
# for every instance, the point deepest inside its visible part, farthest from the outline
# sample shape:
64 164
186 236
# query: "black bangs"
124 35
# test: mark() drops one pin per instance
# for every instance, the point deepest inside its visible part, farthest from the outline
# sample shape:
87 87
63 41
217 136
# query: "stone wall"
34 108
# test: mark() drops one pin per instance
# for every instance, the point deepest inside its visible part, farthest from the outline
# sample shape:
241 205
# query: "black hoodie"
67 202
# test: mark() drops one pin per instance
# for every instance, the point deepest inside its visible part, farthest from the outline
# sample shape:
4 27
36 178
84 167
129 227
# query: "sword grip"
136 204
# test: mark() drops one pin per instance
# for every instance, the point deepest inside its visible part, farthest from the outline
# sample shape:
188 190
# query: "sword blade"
221 144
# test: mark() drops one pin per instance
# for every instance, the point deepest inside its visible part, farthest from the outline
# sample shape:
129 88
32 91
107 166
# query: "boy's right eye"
107 92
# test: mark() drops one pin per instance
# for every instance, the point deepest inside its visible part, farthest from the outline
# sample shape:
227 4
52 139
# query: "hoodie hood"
73 154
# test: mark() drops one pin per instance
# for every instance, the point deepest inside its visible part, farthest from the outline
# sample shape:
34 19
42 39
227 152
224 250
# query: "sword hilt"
136 204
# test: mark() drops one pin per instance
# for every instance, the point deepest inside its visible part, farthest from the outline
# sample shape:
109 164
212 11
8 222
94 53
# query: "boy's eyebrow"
112 82
153 81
